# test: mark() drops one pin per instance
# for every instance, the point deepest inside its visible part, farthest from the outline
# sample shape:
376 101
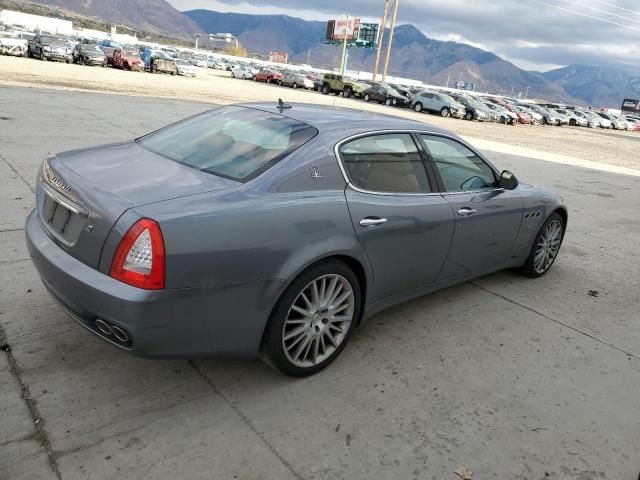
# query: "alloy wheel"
318 320
548 246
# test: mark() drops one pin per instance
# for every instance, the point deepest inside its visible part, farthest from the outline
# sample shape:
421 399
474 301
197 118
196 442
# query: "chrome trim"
65 202
414 131
372 222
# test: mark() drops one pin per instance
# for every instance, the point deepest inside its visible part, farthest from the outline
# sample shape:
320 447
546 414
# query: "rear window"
232 142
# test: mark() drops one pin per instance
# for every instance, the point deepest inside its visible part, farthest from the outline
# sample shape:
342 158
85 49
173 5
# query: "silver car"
275 230
437 102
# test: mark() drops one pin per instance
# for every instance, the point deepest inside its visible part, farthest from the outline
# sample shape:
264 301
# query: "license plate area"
60 221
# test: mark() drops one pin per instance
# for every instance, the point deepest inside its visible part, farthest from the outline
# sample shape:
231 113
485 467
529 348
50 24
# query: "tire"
468 116
244 77
445 112
531 267
366 97
314 328
346 93
418 107
154 69
255 79
295 86
572 122
268 80
279 83
388 102
325 89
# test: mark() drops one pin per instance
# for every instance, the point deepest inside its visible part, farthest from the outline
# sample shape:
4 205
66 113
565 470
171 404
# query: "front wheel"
313 320
295 85
279 83
366 97
388 102
445 112
545 247
346 93
468 116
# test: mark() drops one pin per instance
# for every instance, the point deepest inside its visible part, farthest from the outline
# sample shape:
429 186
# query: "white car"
11 44
185 68
240 71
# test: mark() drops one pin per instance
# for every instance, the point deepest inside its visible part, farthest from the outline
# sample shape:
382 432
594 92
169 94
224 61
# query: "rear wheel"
445 112
468 116
313 320
366 97
295 85
545 247
325 89
418 107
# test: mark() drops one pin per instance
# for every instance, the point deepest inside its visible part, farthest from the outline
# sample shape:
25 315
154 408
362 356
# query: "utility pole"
392 28
428 72
459 81
383 27
344 48
526 95
448 78
309 58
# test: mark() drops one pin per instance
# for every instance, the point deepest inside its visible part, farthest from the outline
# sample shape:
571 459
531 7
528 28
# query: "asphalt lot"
511 377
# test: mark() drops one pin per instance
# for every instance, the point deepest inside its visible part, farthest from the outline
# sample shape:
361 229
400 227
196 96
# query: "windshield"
232 142
49 39
179 61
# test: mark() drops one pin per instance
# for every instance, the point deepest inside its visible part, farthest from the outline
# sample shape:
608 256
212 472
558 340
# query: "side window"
388 163
461 169
428 96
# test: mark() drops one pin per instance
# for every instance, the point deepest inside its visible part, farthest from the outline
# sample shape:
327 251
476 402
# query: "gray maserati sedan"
275 230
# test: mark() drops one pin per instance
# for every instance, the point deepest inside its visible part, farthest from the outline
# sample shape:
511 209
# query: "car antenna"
282 105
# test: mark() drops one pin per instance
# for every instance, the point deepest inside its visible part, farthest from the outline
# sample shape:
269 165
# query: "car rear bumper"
183 323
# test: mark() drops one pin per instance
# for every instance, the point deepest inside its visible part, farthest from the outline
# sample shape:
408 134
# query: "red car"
126 59
523 117
268 76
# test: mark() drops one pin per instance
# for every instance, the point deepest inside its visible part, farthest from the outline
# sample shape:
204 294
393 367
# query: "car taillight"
140 259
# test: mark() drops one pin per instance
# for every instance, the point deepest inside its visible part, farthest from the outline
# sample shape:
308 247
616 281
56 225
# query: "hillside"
599 86
414 55
154 16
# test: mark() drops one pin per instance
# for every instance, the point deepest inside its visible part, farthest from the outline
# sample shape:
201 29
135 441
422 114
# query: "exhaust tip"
120 334
104 327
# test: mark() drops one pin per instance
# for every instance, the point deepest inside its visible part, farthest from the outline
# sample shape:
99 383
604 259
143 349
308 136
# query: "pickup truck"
268 76
125 59
334 83
49 47
157 61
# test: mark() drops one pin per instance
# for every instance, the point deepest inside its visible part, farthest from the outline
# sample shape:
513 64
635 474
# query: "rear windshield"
232 142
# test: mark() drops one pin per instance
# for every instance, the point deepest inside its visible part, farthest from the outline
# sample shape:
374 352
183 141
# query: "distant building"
35 22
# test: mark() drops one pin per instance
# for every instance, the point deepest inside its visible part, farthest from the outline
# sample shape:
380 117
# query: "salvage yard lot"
511 377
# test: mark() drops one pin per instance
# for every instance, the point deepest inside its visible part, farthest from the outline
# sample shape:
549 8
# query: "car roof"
345 121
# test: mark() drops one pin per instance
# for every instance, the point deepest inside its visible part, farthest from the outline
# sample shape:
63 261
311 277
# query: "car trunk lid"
82 193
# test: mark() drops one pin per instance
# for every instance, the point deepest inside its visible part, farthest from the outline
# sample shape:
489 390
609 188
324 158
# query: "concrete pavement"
511 377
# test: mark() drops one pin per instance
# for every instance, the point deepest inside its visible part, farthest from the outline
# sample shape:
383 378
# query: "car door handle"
372 221
466 211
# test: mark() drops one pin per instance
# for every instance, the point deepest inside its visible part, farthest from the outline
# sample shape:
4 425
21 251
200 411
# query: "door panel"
407 250
487 218
486 227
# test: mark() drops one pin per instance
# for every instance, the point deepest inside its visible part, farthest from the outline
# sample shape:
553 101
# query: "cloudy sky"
533 34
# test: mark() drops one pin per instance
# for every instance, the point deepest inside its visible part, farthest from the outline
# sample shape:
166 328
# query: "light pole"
383 27
526 94
343 65
392 28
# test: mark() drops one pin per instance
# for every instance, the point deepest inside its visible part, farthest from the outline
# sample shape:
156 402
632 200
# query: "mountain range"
414 55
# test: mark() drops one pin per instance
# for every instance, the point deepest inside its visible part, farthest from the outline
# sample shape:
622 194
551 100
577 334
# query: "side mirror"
508 180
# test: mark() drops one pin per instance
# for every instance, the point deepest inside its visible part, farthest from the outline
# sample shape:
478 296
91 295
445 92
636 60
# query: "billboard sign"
630 106
278 57
339 29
